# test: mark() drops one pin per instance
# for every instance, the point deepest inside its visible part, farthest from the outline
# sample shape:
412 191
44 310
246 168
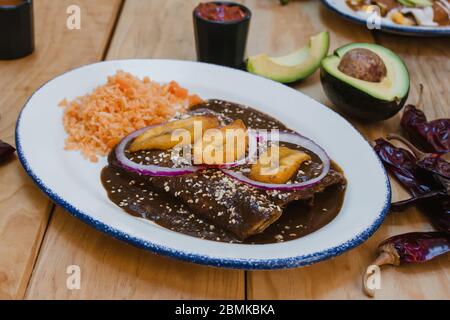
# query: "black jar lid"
16 29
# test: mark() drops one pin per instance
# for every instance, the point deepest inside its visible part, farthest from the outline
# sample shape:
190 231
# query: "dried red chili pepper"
432 136
427 192
437 164
437 211
405 204
426 176
435 205
402 165
414 247
5 150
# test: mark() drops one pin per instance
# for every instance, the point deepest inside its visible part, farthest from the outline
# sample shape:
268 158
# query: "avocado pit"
363 64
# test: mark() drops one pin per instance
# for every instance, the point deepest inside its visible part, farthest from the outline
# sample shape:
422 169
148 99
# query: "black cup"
222 42
16 29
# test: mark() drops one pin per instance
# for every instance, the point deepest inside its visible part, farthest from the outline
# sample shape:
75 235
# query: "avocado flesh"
295 66
416 3
394 87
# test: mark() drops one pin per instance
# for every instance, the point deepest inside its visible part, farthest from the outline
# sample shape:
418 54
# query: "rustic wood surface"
428 61
24 211
114 270
111 269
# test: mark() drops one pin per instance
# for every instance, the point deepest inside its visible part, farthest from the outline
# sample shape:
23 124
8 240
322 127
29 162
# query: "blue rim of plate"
396 29
247 264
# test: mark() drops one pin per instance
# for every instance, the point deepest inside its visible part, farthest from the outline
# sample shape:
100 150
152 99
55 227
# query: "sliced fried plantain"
172 133
223 145
277 165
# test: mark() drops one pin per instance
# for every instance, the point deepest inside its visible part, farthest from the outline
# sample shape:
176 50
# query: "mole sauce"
298 219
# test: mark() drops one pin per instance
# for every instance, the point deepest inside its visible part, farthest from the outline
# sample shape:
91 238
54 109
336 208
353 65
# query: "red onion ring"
147 170
299 140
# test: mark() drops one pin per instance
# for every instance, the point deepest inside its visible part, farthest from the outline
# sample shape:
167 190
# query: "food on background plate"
426 13
228 199
295 66
366 80
96 122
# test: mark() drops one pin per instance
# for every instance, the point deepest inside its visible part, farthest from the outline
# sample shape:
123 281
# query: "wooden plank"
24 210
115 270
340 278
111 269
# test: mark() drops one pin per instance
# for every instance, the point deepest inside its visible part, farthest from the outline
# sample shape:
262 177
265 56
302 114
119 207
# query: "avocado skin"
356 102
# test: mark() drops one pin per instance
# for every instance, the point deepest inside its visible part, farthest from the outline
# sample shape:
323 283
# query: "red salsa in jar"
220 12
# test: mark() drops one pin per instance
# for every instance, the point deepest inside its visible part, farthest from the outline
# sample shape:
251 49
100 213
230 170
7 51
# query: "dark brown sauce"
299 218
158 207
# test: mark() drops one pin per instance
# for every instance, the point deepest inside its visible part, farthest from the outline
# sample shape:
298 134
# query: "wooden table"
38 241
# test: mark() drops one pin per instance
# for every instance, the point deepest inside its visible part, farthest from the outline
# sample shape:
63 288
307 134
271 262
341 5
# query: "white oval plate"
341 8
74 183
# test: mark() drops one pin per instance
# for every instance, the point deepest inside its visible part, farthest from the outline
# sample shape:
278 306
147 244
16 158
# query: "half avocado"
366 80
295 66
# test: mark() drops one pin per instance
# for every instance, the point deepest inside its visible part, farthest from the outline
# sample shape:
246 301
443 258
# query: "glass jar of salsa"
221 30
